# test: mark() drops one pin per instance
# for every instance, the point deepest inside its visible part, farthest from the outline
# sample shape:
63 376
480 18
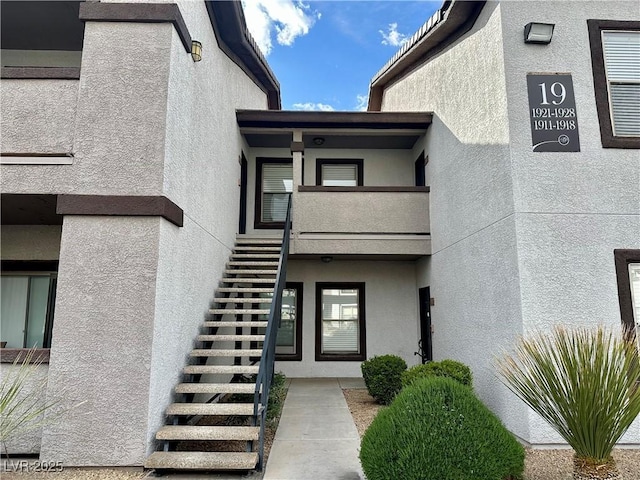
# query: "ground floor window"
628 274
27 301
340 321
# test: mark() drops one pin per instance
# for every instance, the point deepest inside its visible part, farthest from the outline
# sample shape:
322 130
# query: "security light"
538 32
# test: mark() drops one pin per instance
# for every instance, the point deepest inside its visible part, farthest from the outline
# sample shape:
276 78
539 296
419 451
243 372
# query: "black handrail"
267 360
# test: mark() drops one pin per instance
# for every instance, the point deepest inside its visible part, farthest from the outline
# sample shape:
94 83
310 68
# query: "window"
628 273
339 173
274 184
615 58
340 321
26 304
289 339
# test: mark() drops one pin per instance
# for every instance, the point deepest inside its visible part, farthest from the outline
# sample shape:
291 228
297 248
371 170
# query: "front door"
424 344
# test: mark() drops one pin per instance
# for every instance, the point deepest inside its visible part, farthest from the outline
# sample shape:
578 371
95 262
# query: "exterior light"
326 259
196 50
538 32
318 141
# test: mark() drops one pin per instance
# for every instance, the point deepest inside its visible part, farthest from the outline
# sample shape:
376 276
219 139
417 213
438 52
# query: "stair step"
216 388
244 290
239 271
249 280
255 255
220 369
230 338
258 249
235 324
238 311
210 409
252 264
188 432
258 241
211 352
243 300
202 460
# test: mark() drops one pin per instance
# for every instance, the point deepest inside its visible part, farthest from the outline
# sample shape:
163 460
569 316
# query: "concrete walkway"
316 437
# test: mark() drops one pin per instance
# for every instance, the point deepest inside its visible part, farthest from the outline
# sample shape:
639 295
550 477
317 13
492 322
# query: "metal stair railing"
267 360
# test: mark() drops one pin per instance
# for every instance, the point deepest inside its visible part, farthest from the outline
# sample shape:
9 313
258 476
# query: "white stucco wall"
27 442
574 209
201 174
30 242
391 306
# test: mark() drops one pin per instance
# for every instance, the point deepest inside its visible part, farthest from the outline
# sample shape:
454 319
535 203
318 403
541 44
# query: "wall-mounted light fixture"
538 32
196 50
326 258
318 141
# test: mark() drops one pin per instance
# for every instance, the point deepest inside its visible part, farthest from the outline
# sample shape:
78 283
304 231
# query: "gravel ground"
539 464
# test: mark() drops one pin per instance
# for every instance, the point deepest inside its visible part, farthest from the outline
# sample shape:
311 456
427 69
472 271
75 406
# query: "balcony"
361 221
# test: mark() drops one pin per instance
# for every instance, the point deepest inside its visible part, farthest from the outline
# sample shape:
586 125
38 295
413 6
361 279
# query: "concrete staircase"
227 354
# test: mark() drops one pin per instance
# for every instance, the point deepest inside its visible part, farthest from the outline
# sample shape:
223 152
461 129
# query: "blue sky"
325 53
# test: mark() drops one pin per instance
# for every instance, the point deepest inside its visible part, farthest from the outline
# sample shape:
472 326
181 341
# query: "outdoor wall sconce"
196 50
326 259
538 32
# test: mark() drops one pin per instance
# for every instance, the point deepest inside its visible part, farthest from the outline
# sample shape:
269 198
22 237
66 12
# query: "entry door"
424 344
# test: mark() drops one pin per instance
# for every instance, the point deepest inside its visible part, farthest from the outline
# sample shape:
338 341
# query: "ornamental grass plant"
584 382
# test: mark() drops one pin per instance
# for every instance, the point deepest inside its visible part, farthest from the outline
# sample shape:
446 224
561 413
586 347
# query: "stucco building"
144 193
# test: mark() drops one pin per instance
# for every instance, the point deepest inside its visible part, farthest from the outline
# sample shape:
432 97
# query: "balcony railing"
361 220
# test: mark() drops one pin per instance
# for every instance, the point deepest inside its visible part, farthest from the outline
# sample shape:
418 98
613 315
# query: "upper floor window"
339 173
274 184
615 56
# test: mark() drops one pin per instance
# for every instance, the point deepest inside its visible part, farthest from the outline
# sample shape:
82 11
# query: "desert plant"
21 412
437 429
445 368
382 376
584 382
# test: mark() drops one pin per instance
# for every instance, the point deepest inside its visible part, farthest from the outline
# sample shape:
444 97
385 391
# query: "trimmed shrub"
446 368
382 377
437 429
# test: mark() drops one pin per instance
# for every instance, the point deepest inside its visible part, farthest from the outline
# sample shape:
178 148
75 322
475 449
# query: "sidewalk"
316 437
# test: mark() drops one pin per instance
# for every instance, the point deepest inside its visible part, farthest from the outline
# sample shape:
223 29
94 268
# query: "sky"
324 54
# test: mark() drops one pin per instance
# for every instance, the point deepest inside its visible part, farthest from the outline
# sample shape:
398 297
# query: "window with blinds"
621 51
339 175
341 321
276 186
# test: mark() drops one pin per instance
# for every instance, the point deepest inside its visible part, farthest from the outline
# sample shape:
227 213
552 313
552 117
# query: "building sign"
552 108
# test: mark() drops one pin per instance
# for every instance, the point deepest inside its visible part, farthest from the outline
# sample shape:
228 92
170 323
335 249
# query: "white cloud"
393 37
361 103
289 19
322 107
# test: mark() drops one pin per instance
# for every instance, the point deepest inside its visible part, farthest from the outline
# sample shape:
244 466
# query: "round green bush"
382 376
446 368
437 429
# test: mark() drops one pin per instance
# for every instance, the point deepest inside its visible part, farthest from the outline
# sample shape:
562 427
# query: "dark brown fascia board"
302 119
459 17
121 205
138 12
47 73
234 39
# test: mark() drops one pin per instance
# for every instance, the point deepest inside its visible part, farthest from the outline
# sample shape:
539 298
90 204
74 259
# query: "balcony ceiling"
34 25
361 130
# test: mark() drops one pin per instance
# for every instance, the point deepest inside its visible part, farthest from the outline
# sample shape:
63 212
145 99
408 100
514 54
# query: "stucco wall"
391 307
102 336
201 174
29 441
30 242
574 209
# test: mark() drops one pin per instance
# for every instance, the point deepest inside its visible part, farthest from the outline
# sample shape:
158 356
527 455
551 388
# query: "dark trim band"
120 205
314 188
140 13
47 73
9 355
297 147
600 84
